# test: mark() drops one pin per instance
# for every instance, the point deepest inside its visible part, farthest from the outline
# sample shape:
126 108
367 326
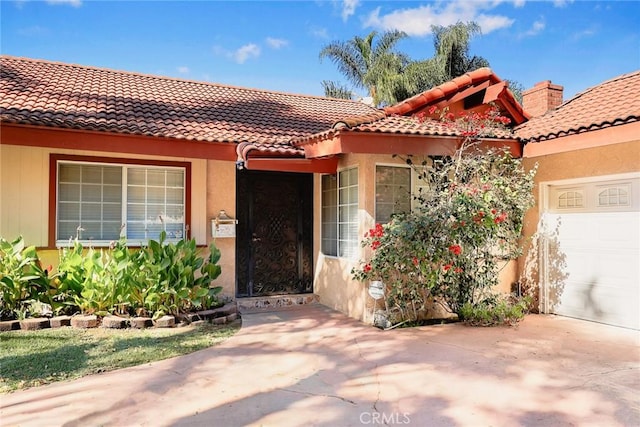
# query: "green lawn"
34 358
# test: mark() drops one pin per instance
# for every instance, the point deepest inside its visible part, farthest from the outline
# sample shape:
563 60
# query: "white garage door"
591 264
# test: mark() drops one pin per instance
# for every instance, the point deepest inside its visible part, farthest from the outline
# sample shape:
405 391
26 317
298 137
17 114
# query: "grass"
34 358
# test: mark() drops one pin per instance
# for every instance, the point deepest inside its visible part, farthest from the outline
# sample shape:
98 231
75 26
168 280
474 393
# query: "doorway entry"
274 241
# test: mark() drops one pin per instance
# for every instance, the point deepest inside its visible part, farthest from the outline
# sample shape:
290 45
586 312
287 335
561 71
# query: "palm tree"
336 90
451 59
452 48
375 67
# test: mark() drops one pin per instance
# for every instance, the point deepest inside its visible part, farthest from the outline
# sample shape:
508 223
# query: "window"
330 215
393 192
340 214
101 200
570 199
614 196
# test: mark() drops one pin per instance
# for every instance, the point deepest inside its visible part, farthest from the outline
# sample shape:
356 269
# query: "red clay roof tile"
411 105
401 125
611 103
45 93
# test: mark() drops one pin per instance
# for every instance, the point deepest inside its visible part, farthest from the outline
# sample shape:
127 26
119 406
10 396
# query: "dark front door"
274 240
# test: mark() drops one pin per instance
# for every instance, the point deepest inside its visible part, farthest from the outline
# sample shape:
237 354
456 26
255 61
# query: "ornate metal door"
274 240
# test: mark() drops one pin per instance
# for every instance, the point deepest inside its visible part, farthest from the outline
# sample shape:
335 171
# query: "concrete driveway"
313 366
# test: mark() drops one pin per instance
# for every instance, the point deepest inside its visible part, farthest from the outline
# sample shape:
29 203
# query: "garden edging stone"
60 321
84 322
34 323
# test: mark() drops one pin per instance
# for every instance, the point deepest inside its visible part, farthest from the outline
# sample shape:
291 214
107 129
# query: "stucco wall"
609 159
333 282
221 195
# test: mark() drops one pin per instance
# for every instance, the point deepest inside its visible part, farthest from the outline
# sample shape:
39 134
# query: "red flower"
458 270
462 223
493 211
455 249
500 218
377 231
367 268
447 267
375 244
433 109
450 116
477 218
415 261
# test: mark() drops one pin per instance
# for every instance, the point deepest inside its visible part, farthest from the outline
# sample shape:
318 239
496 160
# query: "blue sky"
274 45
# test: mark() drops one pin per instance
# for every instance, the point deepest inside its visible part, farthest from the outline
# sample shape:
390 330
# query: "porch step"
274 302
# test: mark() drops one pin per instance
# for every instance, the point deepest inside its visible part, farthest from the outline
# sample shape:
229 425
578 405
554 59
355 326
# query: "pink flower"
367 268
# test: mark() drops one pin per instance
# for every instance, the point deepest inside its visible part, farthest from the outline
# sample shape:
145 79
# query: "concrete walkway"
313 366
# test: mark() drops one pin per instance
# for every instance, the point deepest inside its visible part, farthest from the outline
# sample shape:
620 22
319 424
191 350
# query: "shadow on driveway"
314 366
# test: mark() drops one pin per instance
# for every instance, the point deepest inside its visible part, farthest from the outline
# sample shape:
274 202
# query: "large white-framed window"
99 200
340 214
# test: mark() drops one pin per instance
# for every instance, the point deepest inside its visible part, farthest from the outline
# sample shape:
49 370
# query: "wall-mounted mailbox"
223 226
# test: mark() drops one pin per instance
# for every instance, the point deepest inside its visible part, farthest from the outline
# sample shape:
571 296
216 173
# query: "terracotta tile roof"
267 150
612 103
400 125
413 104
45 93
496 91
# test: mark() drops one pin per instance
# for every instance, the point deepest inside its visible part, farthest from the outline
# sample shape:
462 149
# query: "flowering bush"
450 248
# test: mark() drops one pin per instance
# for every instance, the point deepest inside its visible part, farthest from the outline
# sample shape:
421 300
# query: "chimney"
544 96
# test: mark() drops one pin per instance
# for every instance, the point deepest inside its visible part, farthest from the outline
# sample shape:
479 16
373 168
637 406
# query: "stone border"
218 316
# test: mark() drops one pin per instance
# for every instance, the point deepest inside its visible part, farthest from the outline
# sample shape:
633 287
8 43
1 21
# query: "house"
587 257
98 153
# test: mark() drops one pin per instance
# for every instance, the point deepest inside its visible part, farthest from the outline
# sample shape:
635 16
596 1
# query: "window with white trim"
570 199
101 202
340 214
614 196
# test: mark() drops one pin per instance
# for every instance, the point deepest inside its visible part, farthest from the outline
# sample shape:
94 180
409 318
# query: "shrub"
450 248
22 279
161 278
496 311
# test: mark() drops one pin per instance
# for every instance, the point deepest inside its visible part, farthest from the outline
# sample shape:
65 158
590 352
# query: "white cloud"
418 21
535 29
183 70
561 3
276 43
349 8
319 32
247 51
518 3
74 3
589 32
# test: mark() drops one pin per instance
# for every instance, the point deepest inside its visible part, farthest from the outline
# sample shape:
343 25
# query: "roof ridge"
442 90
596 86
176 79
